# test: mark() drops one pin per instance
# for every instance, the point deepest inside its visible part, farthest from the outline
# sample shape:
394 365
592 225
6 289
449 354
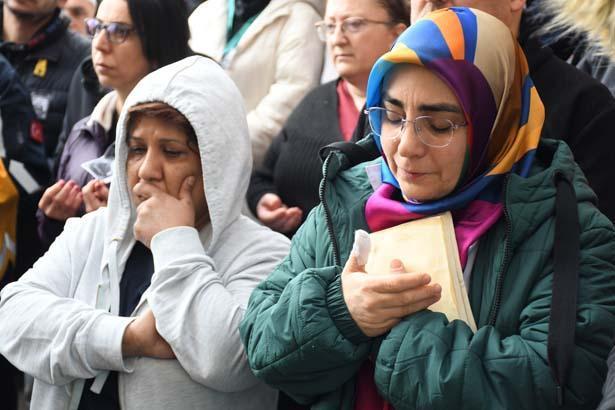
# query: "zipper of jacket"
497 300
330 228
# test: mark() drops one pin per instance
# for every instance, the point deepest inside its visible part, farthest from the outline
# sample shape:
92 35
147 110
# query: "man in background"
37 43
77 11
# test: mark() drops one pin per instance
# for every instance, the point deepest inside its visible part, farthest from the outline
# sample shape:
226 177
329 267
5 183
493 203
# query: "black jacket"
46 65
22 147
580 111
292 168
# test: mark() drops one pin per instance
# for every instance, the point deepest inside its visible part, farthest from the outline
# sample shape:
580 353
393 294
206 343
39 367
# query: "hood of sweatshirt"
200 90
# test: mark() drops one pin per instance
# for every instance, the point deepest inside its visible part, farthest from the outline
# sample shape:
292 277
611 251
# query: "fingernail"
437 289
396 264
425 278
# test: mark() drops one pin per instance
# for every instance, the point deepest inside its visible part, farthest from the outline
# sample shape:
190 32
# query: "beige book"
425 245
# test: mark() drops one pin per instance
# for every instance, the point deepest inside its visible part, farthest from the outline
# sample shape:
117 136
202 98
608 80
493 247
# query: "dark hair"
398 10
166 113
161 47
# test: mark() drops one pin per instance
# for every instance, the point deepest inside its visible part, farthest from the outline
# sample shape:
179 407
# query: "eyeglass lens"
116 32
432 131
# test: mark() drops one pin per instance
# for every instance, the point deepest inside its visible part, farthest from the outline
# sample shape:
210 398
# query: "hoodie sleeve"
47 333
198 309
298 66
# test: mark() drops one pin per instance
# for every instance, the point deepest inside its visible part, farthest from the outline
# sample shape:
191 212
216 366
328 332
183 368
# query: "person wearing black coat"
46 64
22 153
579 110
291 168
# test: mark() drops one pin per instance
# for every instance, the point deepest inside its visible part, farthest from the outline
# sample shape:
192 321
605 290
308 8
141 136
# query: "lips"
102 67
410 175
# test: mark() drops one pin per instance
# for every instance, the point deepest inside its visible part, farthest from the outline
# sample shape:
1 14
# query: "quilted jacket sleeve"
297 329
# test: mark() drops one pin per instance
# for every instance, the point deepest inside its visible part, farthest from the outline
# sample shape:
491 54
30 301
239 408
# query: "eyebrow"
163 140
437 107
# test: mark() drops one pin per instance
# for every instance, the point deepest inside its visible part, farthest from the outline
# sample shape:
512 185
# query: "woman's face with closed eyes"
424 173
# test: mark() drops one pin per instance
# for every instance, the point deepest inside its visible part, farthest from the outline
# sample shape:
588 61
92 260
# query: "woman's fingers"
67 191
62 200
270 201
396 283
291 221
401 304
90 197
50 194
272 218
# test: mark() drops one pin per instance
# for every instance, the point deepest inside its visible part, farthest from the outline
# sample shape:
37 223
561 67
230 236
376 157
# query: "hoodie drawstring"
111 303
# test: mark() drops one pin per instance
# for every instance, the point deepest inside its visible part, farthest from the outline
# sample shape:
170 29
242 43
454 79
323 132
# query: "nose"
410 145
338 36
101 41
150 169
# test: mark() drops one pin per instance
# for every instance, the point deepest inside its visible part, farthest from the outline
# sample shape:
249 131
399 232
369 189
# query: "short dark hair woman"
127 43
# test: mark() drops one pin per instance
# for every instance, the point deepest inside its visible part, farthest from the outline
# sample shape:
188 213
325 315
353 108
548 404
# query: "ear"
517 5
61 3
399 28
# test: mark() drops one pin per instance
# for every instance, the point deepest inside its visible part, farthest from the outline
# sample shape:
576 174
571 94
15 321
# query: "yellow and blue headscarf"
477 56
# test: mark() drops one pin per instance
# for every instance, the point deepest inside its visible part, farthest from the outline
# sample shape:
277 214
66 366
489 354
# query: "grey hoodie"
60 323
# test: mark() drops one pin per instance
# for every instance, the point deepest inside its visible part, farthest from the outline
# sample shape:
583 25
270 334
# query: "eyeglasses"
116 32
350 25
432 131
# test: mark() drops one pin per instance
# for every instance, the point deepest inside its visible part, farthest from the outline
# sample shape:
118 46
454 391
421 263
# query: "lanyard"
232 42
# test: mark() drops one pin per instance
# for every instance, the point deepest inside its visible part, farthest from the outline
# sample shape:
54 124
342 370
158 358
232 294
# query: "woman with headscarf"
137 305
458 122
123 30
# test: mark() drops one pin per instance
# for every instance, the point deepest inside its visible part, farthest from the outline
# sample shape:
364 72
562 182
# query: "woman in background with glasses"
458 121
285 188
127 44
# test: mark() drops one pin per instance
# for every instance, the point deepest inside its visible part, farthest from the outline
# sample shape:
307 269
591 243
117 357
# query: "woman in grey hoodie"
92 323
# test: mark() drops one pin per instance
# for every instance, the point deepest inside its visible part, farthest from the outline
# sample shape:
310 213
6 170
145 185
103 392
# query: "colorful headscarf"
477 56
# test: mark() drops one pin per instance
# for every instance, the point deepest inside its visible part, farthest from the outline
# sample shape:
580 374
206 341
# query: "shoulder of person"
248 243
83 127
321 97
306 8
580 85
88 230
248 234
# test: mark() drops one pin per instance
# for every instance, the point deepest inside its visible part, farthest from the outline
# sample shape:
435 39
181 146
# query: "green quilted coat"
300 338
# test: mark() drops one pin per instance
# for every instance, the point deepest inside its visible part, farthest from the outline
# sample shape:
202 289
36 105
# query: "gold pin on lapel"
40 69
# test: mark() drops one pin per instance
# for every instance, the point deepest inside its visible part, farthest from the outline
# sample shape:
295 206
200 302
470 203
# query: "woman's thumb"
353 264
186 189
